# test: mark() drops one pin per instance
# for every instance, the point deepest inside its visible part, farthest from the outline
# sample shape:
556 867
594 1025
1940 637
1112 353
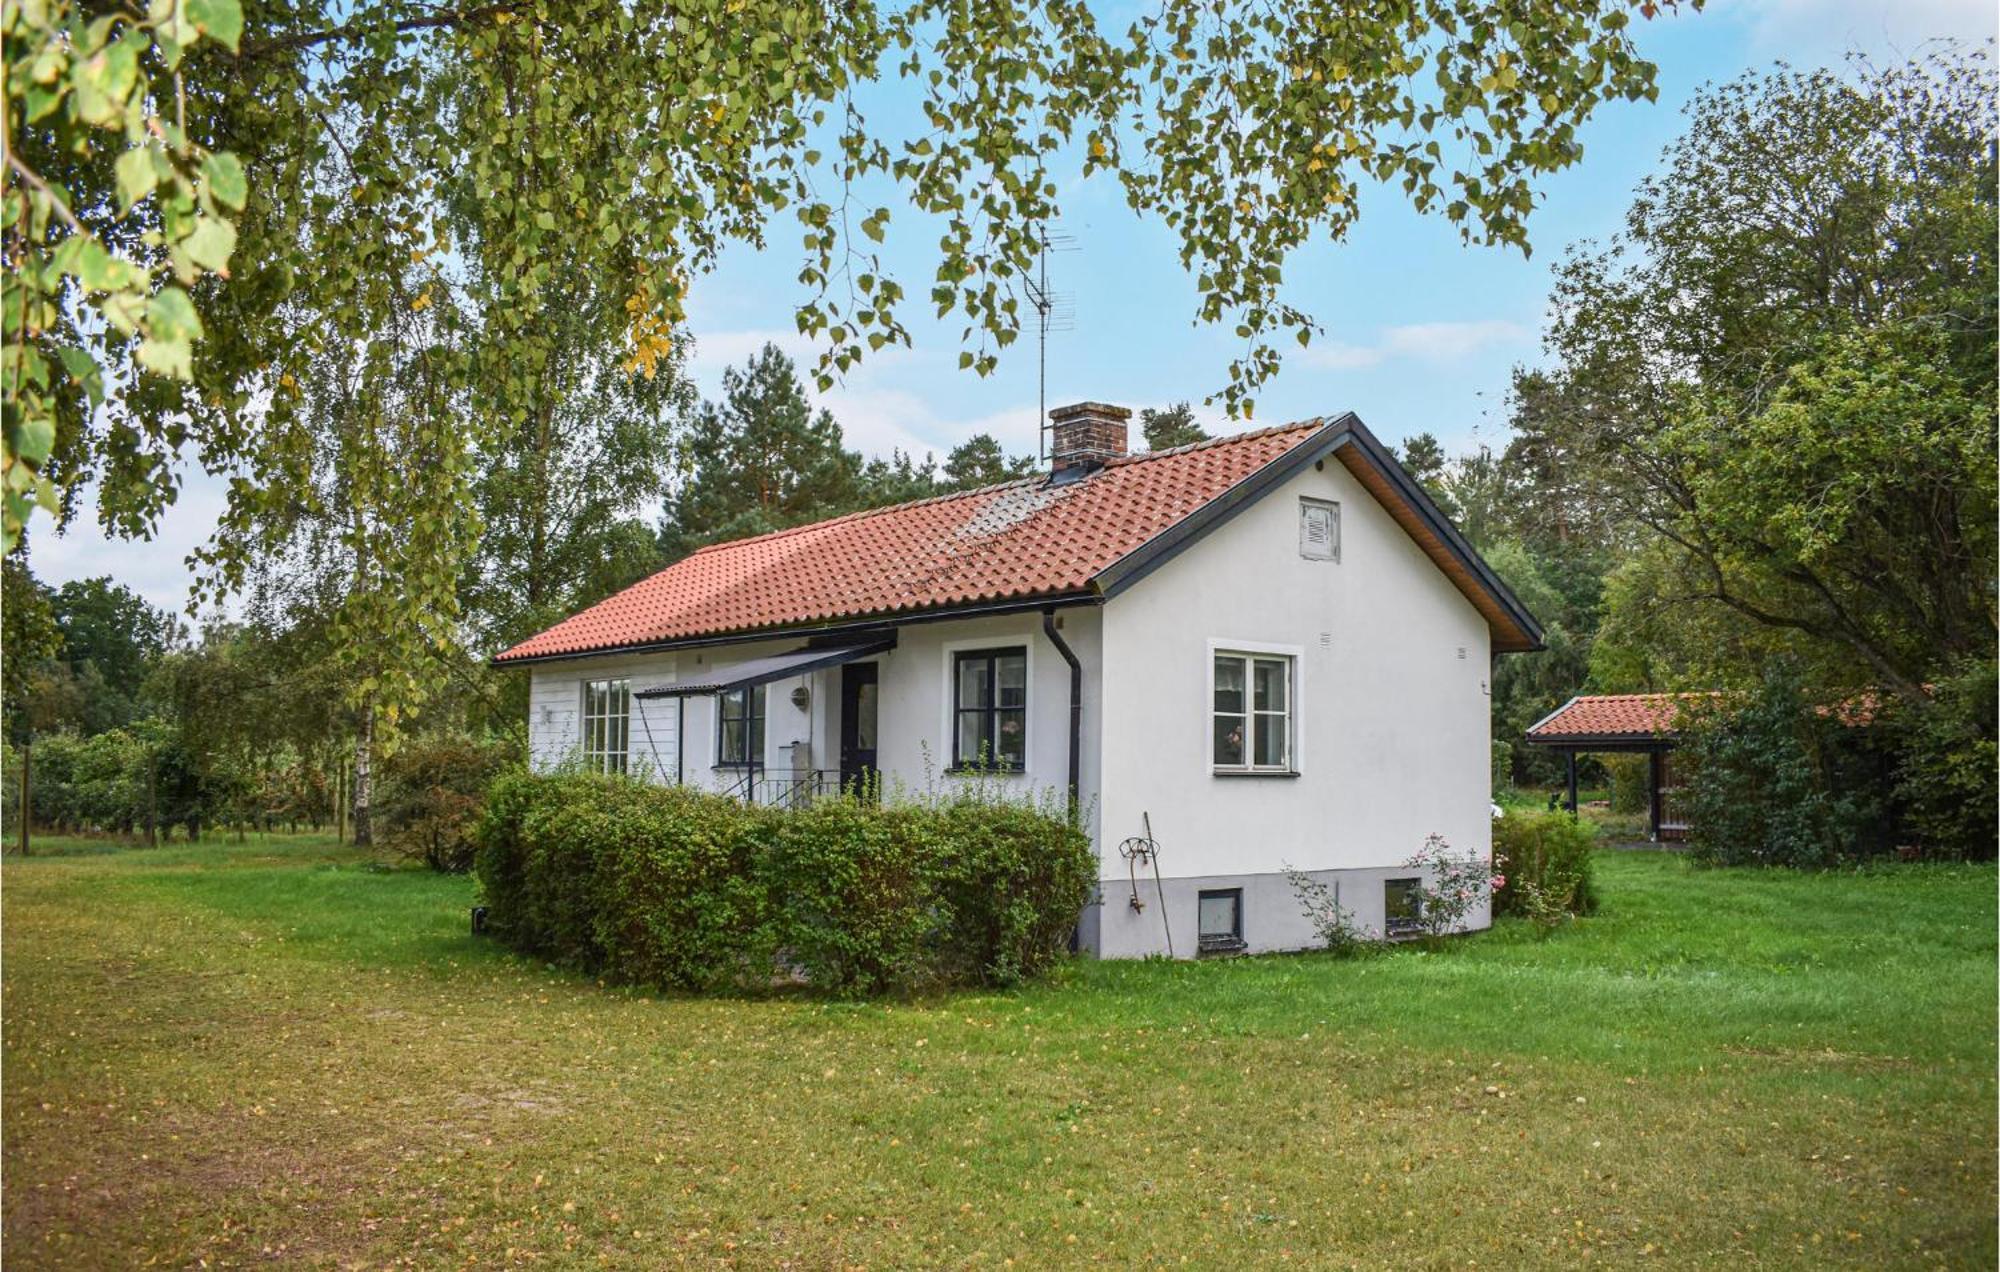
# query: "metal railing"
784 788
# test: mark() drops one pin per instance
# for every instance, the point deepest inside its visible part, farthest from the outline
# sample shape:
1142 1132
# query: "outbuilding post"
1655 771
1569 767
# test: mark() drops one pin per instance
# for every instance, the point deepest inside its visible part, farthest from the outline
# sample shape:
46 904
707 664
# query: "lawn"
271 1052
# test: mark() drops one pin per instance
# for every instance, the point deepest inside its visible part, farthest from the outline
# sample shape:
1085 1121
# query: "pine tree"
761 459
979 461
1170 426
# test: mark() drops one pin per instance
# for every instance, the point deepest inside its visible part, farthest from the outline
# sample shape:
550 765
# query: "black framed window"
607 724
1219 920
989 699
740 728
1252 713
1402 906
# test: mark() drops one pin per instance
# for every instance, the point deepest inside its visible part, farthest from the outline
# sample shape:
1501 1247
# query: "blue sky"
1422 333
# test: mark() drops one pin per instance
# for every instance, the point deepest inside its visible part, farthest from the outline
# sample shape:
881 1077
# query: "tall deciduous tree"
1785 369
110 639
116 208
643 140
564 492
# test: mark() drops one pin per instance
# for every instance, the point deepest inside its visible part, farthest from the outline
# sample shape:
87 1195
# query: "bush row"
1545 854
682 889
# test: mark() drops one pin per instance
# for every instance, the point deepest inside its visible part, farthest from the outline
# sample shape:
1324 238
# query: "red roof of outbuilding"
1614 715
1021 541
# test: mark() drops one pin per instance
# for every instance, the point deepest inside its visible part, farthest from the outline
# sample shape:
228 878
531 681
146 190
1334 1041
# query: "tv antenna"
1054 312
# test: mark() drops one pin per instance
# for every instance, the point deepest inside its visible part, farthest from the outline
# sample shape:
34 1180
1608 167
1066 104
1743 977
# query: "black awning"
758 671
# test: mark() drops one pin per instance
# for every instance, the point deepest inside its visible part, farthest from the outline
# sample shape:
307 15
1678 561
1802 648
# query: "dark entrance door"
857 726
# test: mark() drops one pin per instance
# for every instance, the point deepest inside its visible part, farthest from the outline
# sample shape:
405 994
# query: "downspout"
1075 708
680 740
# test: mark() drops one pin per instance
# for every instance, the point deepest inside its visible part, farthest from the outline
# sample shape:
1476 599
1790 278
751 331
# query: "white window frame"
599 756
1250 651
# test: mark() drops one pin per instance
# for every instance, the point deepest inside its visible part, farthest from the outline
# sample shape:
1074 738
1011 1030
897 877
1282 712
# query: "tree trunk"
364 783
152 798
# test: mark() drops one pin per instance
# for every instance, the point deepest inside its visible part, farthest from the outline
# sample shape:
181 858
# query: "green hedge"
1551 851
682 889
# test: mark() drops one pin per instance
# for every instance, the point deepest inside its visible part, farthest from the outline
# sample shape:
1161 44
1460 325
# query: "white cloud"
155 568
1809 30
1430 342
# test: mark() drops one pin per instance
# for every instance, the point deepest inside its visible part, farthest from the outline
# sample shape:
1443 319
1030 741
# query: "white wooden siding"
555 711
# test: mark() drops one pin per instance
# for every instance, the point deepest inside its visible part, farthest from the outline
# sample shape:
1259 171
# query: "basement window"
1220 921
1402 906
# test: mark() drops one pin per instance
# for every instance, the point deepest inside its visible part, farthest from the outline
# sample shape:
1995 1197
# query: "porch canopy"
759 671
1642 723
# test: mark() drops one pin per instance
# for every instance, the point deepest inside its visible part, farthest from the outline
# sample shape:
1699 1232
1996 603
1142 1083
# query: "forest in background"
1760 449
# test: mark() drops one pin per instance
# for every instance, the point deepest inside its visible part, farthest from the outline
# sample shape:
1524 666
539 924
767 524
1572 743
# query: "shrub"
1545 860
677 900
1948 762
1332 922
684 889
1777 779
1631 793
1450 886
1503 766
431 793
1014 876
856 891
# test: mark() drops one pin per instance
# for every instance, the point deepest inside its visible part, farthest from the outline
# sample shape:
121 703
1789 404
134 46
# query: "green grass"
271 1052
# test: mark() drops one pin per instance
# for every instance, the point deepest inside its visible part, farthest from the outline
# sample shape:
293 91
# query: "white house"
1272 648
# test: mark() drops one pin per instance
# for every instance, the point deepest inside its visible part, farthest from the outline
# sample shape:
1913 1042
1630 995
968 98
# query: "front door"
857 726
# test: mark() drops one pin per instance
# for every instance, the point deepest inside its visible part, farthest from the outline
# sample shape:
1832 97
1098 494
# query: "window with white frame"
607 724
1253 713
740 728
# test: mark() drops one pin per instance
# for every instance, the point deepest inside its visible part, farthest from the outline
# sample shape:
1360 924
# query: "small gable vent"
1319 530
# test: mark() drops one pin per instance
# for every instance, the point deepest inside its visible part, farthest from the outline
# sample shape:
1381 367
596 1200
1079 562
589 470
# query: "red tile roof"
1023 540
1597 717
1614 715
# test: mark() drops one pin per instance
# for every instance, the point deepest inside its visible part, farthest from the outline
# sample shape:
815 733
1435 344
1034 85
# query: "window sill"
967 770
737 768
1222 772
1220 946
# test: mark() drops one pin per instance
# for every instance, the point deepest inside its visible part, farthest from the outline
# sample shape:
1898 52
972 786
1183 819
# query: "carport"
1626 723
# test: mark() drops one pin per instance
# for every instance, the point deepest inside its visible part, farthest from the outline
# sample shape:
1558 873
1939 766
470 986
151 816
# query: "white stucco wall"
1392 729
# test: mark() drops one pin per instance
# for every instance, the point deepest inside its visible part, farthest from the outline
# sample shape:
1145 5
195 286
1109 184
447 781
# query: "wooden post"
1655 772
1569 759
27 811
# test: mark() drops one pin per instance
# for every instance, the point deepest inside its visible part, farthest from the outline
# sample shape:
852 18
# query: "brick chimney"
1083 436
